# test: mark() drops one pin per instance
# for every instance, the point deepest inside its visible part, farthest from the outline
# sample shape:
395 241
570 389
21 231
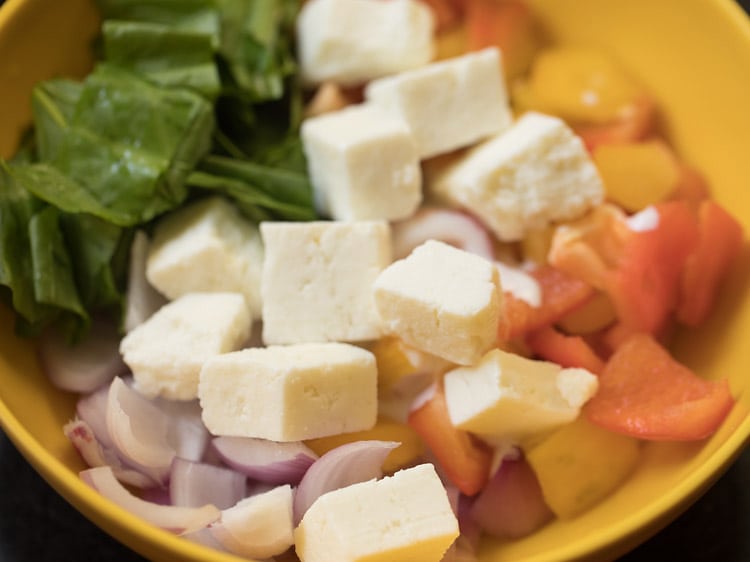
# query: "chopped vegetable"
645 393
566 351
581 464
464 458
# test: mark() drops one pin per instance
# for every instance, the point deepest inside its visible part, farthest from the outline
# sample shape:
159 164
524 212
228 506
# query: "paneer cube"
317 280
290 393
353 41
448 104
507 397
363 164
403 517
535 173
207 247
167 351
442 300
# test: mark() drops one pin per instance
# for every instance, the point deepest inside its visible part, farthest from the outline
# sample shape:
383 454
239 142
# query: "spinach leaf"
53 103
262 192
131 144
164 54
17 207
196 16
49 184
51 264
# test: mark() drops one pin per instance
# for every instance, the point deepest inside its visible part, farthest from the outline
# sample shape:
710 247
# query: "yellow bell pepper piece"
581 464
537 243
596 314
385 430
396 361
450 43
580 85
638 174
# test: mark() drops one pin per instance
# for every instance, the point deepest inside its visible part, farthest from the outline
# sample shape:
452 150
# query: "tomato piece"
507 24
719 244
644 287
639 270
446 13
561 293
645 393
465 459
567 351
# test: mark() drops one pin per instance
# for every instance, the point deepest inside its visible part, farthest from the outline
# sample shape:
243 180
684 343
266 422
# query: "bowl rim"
125 527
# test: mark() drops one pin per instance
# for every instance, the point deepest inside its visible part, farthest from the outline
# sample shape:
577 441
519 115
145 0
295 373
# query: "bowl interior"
698 75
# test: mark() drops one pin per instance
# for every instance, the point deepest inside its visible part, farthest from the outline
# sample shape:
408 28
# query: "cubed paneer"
403 517
363 164
509 397
350 42
167 351
290 393
207 247
449 104
442 300
535 173
317 280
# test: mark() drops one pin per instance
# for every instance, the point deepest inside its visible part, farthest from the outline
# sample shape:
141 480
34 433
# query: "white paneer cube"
290 393
353 41
507 397
520 284
442 300
535 173
448 104
363 164
317 280
207 247
258 526
403 517
167 351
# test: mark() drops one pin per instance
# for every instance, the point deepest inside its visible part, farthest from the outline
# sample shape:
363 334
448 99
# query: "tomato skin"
465 459
645 393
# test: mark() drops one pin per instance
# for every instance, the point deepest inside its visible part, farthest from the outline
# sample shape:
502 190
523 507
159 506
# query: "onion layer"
193 484
343 466
259 526
139 430
85 366
266 461
511 504
179 520
446 225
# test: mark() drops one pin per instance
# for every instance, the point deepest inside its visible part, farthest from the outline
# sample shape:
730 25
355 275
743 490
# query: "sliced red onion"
192 484
178 520
259 526
84 440
142 300
186 432
139 430
511 504
447 225
92 408
266 461
343 466
86 366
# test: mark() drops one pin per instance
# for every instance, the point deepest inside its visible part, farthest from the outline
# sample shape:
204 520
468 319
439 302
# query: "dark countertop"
37 524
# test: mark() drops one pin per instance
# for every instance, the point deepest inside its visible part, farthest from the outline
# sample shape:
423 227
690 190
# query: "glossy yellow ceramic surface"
694 57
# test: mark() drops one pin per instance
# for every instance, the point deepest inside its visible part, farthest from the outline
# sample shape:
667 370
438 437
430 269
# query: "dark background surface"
38 525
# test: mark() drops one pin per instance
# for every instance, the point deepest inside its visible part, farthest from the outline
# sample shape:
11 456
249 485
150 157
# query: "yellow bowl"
694 57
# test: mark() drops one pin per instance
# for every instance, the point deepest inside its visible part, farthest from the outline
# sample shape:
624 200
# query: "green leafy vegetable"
163 54
181 79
